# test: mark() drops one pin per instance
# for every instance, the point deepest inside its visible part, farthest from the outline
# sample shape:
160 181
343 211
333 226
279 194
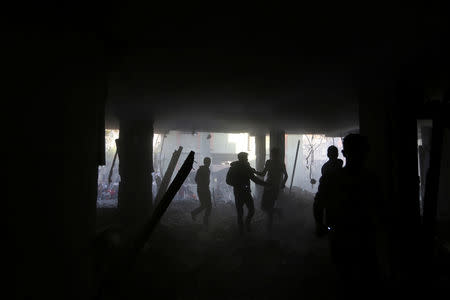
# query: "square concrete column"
135 150
424 156
392 136
277 139
260 145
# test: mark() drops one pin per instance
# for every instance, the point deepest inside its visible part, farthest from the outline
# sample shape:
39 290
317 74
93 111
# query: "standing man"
277 177
203 192
334 163
239 176
349 196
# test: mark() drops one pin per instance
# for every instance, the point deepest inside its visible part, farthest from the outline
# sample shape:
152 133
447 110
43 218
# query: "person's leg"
265 206
276 210
196 211
368 275
269 203
343 257
251 210
239 202
208 206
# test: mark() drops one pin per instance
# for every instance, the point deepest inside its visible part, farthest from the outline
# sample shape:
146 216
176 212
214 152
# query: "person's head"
207 161
243 157
332 152
356 148
275 153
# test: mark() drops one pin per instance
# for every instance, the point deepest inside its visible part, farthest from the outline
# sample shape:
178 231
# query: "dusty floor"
182 260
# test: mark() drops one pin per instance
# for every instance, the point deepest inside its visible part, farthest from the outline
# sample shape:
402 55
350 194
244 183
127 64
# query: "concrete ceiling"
218 71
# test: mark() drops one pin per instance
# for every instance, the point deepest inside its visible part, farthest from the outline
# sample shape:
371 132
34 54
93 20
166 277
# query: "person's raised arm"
263 172
258 181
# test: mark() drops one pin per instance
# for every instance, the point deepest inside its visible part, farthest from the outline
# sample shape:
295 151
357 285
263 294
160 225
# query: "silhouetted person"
276 177
334 163
239 176
203 192
349 198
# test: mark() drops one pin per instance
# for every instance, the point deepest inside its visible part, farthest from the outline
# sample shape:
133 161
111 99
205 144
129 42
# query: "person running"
203 192
239 176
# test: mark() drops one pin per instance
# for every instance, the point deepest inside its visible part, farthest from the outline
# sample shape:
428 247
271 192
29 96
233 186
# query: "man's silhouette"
239 176
349 197
334 163
203 192
276 177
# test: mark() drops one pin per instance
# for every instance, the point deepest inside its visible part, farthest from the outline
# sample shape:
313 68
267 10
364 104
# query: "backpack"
231 177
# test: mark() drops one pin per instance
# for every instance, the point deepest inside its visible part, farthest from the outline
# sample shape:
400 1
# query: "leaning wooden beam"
168 175
160 153
165 202
112 168
295 164
123 262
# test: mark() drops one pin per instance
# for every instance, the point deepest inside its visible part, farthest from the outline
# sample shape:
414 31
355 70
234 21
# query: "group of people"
345 207
239 176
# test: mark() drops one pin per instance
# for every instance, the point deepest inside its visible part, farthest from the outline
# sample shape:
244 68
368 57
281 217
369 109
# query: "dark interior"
73 71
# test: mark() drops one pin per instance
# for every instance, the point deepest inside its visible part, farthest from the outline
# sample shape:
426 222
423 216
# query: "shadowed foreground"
184 261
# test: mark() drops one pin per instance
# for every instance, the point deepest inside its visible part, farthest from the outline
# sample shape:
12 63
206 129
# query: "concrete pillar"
52 186
443 201
432 184
277 139
135 150
260 145
291 149
373 122
392 135
424 156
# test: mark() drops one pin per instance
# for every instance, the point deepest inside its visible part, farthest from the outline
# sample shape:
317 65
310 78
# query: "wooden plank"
168 174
